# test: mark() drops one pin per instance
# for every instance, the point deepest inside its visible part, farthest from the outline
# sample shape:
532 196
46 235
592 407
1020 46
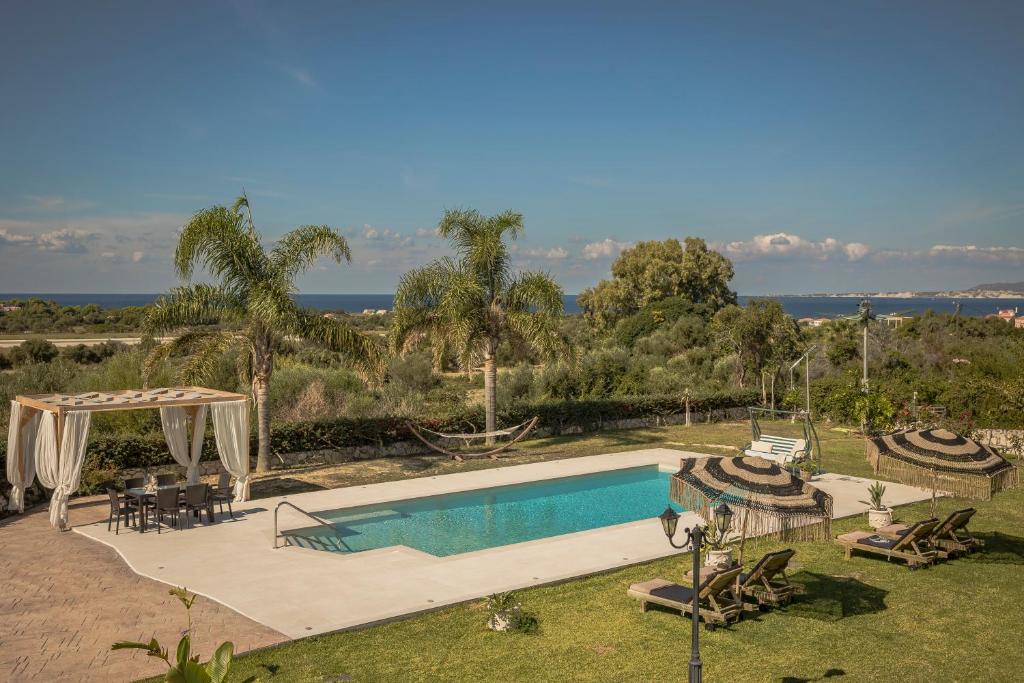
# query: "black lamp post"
694 540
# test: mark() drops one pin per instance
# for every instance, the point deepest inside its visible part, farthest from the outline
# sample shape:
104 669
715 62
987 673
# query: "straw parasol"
941 458
770 500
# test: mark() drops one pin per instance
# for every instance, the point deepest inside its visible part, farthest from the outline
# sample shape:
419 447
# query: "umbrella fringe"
761 522
977 486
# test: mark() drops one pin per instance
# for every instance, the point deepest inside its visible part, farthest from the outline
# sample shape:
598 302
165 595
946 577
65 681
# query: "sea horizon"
796 305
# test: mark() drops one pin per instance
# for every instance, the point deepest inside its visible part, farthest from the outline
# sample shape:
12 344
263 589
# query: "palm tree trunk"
263 367
490 389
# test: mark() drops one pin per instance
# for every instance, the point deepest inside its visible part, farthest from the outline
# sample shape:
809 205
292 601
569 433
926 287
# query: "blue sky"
822 146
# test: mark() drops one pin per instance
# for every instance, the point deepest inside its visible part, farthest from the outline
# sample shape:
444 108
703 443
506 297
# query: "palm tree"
469 304
252 300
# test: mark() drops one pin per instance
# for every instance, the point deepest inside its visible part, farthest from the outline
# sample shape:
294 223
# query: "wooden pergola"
189 398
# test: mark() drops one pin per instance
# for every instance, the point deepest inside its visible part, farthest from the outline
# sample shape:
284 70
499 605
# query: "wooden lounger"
909 547
945 536
767 582
715 607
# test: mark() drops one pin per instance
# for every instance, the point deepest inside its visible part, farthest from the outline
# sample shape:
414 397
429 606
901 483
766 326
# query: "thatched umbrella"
941 458
770 500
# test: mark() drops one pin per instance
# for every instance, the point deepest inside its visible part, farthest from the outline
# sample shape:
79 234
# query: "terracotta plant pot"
879 518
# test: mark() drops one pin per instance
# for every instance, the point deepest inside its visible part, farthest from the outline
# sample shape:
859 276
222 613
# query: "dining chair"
197 501
167 502
166 479
223 493
134 482
119 508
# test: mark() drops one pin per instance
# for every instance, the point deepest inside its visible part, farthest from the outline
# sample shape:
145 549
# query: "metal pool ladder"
298 509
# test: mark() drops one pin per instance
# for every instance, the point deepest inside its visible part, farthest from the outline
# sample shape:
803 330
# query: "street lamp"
694 540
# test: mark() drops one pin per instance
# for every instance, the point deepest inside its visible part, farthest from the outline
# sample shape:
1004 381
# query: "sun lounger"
911 546
716 595
766 582
945 537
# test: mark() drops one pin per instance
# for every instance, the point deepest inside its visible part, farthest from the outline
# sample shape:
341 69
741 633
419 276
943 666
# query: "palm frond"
181 345
366 354
223 243
205 354
297 251
535 291
195 304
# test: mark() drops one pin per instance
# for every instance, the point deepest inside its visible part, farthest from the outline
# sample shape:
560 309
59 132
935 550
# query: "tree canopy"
655 270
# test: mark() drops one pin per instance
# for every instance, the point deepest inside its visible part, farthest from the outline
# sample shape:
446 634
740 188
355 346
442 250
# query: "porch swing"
784 450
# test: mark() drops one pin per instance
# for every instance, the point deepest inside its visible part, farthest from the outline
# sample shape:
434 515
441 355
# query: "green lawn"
860 620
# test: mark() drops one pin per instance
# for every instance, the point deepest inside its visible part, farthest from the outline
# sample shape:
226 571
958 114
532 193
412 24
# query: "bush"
33 351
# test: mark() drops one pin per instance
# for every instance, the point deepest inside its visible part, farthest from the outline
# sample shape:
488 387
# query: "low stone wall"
1006 440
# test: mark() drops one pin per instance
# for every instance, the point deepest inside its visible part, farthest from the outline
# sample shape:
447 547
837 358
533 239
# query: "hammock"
517 433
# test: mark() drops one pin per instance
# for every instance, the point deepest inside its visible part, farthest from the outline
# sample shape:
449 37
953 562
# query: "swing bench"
783 450
517 433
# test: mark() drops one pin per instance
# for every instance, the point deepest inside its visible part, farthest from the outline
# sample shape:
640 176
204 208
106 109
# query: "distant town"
1000 290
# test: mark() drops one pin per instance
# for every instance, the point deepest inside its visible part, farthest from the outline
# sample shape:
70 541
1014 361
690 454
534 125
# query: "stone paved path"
64 599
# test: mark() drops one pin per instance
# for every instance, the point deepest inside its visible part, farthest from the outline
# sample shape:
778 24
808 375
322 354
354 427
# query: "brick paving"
64 599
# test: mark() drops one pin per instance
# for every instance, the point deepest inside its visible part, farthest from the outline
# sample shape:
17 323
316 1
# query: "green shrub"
33 351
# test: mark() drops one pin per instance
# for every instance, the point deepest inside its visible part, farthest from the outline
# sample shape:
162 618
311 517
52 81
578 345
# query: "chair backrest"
134 483
716 583
956 520
195 494
115 501
167 499
223 479
782 445
916 532
770 565
166 479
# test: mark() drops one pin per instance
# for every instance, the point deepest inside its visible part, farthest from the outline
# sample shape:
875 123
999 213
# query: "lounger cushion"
893 529
854 536
876 541
666 590
760 447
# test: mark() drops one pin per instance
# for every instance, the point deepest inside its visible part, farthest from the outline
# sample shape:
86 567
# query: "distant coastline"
796 305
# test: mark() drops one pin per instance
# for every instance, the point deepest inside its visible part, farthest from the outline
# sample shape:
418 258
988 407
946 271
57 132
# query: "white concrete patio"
301 592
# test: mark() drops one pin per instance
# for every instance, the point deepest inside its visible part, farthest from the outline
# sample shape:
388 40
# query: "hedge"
107 455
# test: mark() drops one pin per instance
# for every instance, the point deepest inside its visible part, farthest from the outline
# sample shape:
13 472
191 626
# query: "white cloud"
973 252
138 256
781 244
370 233
426 232
65 241
553 254
606 248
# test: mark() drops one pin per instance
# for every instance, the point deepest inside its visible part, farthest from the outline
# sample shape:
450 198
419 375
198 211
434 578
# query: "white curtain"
25 456
231 430
173 420
61 468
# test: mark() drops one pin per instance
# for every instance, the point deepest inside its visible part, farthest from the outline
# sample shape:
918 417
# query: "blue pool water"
462 522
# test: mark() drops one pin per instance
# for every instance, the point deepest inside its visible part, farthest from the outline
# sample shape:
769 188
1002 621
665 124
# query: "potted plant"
879 514
505 611
719 554
806 469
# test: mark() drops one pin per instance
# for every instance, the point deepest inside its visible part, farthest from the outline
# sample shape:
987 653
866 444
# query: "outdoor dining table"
142 495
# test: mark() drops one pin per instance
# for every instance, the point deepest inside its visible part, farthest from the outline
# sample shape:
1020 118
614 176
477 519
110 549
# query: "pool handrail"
298 509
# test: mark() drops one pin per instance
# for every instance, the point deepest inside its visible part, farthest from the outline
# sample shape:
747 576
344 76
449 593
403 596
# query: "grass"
863 619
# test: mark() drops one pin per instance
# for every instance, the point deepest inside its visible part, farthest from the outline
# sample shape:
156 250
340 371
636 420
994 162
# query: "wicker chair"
119 507
167 502
198 501
223 493
166 479
135 483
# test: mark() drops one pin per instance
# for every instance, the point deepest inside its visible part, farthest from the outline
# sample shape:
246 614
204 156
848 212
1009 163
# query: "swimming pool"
462 522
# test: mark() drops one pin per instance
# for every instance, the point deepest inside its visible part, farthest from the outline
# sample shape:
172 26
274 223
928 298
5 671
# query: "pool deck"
301 592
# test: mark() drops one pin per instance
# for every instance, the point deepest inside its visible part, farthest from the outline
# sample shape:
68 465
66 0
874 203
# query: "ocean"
796 306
